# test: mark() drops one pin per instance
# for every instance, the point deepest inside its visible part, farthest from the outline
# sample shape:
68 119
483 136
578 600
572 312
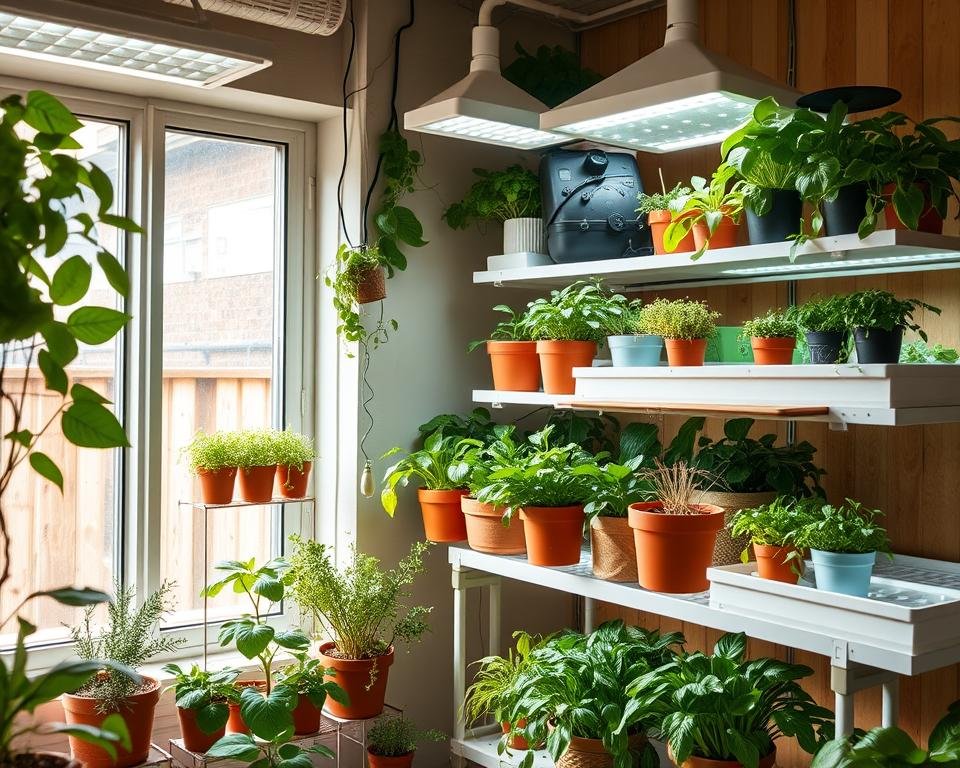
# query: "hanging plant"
552 75
397 224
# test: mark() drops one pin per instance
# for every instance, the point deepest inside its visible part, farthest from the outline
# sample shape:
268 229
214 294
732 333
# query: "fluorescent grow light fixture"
485 106
126 43
679 96
840 264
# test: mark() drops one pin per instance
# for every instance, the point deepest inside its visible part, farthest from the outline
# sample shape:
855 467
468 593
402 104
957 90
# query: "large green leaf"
60 342
89 425
268 716
115 273
252 639
71 281
408 227
54 377
237 746
77 598
43 465
96 325
48 115
213 716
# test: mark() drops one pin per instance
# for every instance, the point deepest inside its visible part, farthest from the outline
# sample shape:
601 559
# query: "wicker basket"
590 753
727 550
613 553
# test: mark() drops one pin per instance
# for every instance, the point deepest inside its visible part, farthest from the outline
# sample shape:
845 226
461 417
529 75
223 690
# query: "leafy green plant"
678 319
551 75
707 204
431 465
264 747
575 686
292 449
881 309
361 605
594 433
723 707
775 324
920 352
397 224
208 693
850 528
823 314
211 451
892 748
661 201
616 487
308 677
496 196
771 524
514 328
476 425
625 321
393 736
255 447
129 640
494 688
352 267
583 311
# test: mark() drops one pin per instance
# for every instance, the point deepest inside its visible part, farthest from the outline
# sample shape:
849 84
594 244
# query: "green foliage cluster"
849 528
265 746
551 75
210 452
582 311
626 321
496 196
494 689
707 204
308 677
292 449
882 309
919 352
678 319
822 314
392 736
431 465
248 448
207 693
773 524
363 606
477 425
514 328
662 201
397 224
775 324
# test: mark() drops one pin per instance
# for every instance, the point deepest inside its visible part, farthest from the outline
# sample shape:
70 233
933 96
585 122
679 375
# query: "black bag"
590 205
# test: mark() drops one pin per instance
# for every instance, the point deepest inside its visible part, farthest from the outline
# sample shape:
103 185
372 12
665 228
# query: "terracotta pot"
515 365
256 483
674 551
658 221
553 534
306 717
137 712
41 759
442 516
771 563
702 762
235 723
516 741
930 220
727 550
353 675
726 234
293 482
612 550
773 350
390 761
557 361
371 285
590 753
195 739
486 532
684 352
216 486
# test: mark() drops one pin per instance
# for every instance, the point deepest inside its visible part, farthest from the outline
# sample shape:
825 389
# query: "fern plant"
130 638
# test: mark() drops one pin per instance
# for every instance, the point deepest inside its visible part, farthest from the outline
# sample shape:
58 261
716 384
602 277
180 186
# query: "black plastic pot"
781 221
826 347
843 215
877 345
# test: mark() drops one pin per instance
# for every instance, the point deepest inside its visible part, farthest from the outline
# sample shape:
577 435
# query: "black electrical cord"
346 98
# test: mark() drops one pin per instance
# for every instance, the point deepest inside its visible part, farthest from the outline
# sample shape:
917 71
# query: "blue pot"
843 572
635 350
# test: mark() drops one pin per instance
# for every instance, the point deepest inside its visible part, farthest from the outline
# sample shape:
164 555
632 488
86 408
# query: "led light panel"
812 266
493 132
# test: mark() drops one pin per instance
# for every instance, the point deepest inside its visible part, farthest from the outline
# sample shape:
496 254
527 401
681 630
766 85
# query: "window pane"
69 539
222 255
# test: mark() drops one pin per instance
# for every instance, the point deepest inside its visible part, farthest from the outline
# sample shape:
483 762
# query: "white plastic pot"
524 236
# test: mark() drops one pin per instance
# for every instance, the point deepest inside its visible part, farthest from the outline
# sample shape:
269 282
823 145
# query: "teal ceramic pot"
843 572
635 350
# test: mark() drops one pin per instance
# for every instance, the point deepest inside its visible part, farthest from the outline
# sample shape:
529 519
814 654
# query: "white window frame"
139 471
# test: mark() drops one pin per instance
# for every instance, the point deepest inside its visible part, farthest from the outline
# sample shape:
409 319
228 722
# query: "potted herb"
574 694
656 208
392 742
674 535
712 211
546 488
257 464
513 354
311 680
685 326
510 197
773 337
567 327
213 458
629 344
824 324
878 319
294 453
128 640
723 711
363 609
202 703
269 744
769 528
440 494
843 543
919 351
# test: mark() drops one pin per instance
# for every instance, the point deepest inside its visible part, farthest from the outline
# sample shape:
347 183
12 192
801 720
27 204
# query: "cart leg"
460 662
589 615
844 714
494 619
891 702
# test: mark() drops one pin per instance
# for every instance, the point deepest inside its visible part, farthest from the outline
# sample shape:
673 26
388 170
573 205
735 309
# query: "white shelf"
885 251
499 398
696 608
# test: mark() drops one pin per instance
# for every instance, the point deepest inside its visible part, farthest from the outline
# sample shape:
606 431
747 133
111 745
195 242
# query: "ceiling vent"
314 17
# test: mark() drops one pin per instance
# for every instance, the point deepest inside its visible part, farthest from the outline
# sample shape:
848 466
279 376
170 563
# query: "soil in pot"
293 482
772 563
930 220
773 350
553 534
726 234
137 711
641 350
658 221
826 347
590 753
442 516
353 675
843 572
878 345
685 352
557 361
674 551
195 739
780 222
704 762
612 550
727 550
306 717
216 486
371 285
390 761
42 760
842 216
515 365
256 483
486 531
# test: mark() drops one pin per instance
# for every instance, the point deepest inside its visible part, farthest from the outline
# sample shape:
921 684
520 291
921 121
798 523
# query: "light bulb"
366 480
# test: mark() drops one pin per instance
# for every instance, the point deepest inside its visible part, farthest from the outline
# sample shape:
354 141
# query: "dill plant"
678 319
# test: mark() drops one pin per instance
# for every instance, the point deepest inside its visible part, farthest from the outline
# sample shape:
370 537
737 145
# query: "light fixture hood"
485 106
679 96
